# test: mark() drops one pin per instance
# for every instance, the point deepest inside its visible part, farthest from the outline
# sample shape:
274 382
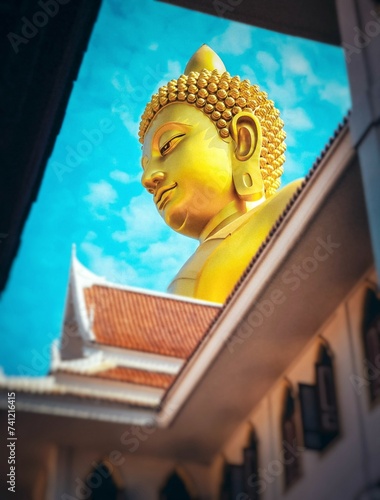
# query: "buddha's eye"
170 144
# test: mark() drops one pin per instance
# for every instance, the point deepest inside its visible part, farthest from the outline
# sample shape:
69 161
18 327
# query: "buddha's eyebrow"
170 126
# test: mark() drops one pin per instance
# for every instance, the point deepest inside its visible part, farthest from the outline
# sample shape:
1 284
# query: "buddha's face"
187 168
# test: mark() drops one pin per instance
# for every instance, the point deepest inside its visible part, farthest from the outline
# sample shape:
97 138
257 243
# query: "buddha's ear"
245 130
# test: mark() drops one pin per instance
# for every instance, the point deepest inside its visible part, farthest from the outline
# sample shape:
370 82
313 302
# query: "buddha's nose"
150 180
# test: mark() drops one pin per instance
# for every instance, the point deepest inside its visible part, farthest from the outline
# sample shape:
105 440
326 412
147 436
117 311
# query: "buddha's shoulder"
267 214
285 194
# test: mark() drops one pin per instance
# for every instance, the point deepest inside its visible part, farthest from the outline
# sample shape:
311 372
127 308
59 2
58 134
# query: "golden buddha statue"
213 154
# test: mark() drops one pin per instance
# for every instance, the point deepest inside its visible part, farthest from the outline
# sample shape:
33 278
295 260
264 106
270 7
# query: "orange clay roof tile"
146 322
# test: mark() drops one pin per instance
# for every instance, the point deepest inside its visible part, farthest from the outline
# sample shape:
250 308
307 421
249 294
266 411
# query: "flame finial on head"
205 58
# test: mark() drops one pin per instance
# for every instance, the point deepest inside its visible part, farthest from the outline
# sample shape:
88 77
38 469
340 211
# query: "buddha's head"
209 140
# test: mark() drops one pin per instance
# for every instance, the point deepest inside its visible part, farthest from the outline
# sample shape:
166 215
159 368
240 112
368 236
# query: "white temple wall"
370 412
141 478
341 469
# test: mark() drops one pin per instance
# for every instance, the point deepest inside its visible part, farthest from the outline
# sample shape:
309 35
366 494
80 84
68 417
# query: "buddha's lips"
160 193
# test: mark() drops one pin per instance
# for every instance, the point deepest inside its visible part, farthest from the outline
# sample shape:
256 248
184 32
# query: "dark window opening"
174 489
292 462
102 485
233 482
250 469
319 408
242 479
371 334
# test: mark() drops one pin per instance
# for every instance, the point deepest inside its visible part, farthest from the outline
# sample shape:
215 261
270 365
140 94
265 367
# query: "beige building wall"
141 478
369 412
351 462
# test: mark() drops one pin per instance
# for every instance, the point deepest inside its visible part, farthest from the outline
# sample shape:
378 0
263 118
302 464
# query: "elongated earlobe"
245 130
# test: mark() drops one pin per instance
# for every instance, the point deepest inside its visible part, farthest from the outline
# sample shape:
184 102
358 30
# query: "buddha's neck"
227 215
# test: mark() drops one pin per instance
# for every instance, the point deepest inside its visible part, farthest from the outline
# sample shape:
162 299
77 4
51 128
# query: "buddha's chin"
181 218
176 219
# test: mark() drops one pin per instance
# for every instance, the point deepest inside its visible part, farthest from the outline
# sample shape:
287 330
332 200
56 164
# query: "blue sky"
91 194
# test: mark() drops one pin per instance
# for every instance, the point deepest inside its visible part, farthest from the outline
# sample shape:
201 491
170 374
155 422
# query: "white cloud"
116 82
134 94
121 82
102 194
295 63
297 119
248 73
174 70
120 236
111 268
164 258
290 137
91 235
157 252
267 61
129 122
121 107
142 222
297 164
292 168
336 94
284 94
235 40
169 254
123 177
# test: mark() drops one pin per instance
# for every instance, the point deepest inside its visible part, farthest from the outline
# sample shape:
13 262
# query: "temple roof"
120 344
146 322
52 385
